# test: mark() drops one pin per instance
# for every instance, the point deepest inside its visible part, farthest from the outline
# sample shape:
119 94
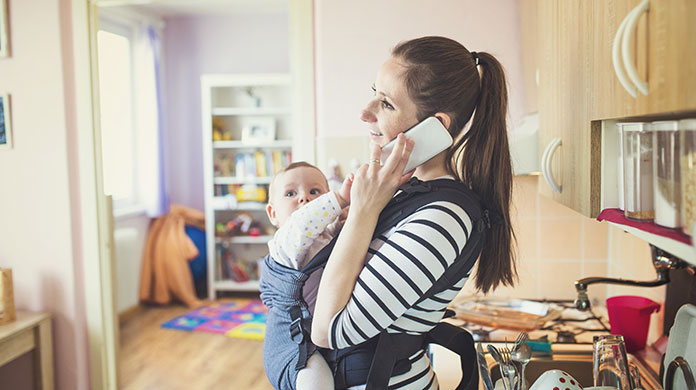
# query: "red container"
629 316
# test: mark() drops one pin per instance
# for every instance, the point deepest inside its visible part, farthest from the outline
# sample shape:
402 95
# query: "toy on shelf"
243 224
219 133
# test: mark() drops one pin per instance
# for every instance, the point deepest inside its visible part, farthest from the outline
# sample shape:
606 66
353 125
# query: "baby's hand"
344 192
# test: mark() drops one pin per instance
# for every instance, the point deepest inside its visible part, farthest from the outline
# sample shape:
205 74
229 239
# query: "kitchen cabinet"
578 87
663 50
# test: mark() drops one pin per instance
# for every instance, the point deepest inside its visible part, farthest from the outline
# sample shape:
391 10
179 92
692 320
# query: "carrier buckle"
296 333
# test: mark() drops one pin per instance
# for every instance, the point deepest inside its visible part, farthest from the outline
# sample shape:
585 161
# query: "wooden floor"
152 358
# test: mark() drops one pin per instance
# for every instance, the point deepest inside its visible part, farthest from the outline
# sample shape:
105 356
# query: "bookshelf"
247 137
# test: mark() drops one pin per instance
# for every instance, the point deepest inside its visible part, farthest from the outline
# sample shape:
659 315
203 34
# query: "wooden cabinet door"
564 95
663 50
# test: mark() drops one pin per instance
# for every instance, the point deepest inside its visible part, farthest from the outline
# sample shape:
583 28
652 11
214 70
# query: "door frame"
96 215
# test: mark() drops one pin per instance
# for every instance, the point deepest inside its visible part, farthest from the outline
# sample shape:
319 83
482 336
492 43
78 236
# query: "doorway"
118 23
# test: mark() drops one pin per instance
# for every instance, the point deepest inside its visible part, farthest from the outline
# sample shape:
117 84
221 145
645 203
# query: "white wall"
39 219
195 45
353 38
130 235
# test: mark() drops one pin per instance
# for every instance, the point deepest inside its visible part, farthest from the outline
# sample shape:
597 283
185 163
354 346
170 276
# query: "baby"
307 216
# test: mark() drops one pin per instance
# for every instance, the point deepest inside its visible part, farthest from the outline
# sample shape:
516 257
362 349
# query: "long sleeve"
292 240
402 265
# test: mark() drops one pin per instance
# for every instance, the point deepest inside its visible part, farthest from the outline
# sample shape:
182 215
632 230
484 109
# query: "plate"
502 313
681 344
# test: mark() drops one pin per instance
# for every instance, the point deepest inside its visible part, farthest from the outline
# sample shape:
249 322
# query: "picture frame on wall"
5 122
4 30
258 130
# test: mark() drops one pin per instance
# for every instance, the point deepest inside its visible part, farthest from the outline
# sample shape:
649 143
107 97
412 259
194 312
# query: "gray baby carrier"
287 344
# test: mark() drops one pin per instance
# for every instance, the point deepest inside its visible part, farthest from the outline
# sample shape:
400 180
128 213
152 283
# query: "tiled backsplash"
557 246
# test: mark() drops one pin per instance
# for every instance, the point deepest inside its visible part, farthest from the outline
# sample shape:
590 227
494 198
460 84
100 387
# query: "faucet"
663 261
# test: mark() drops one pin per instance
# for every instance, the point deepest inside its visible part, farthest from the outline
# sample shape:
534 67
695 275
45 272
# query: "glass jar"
666 175
638 171
687 153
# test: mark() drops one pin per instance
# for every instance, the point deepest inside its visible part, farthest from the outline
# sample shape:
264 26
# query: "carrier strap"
393 347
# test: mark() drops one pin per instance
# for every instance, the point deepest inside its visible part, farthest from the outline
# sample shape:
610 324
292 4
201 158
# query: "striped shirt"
401 265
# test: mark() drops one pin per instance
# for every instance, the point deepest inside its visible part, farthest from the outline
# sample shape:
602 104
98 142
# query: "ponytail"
443 76
487 169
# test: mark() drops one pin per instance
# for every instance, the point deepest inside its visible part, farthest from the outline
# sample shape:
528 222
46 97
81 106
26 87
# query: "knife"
483 368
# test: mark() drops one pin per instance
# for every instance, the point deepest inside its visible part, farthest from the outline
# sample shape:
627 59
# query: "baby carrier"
376 360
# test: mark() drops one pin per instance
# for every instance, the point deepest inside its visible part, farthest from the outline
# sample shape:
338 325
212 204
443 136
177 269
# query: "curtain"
149 129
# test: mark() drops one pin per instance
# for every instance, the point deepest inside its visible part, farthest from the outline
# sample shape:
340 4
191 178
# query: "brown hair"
442 76
290 167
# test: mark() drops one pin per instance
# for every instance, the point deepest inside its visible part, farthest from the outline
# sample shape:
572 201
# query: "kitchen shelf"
281 144
669 240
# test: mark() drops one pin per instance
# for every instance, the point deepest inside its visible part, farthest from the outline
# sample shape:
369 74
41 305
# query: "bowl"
555 380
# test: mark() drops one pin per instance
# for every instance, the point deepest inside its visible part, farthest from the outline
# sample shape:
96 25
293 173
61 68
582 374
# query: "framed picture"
5 125
258 130
4 41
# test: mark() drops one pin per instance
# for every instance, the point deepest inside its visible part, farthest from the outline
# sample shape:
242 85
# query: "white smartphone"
430 138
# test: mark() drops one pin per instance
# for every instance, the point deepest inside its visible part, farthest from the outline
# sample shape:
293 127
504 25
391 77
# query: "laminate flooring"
153 358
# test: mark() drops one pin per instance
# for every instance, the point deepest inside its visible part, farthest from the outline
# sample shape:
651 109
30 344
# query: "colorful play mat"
239 318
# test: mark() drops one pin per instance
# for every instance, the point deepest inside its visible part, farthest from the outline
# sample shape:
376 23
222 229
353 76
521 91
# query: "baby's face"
292 190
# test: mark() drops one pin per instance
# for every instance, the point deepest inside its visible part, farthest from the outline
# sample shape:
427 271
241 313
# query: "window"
119 142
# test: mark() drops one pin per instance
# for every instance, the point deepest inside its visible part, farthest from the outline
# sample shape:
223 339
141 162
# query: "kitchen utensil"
687 164
522 355
521 338
499 359
483 368
682 343
555 379
638 171
629 316
510 369
514 314
609 362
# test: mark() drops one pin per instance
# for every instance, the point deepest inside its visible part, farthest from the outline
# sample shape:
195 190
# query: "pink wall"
195 45
39 239
353 38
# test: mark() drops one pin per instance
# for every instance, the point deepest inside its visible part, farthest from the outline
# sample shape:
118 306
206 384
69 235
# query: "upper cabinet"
656 46
582 60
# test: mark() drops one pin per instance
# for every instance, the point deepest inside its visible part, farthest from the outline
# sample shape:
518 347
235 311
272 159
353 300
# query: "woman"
372 285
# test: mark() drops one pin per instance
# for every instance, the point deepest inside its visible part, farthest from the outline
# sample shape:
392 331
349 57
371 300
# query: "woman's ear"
444 119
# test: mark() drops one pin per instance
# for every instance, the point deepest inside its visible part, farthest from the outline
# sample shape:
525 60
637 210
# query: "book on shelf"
261 163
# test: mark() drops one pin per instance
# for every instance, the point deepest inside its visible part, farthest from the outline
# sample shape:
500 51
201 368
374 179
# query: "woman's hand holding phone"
374 184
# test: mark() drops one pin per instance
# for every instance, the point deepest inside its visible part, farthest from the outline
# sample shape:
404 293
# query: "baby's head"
293 187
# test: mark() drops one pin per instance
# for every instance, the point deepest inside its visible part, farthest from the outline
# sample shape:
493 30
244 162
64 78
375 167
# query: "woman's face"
391 111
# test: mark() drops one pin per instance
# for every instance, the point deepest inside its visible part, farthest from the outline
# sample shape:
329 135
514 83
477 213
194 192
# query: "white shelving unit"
231 103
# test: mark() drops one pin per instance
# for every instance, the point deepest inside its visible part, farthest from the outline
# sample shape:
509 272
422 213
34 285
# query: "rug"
238 318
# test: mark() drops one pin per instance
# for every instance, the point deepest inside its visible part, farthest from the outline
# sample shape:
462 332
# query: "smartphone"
430 137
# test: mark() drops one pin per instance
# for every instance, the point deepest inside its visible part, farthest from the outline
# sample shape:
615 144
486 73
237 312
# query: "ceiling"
169 8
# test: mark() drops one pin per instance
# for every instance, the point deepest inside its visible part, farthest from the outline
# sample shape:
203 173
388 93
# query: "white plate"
681 344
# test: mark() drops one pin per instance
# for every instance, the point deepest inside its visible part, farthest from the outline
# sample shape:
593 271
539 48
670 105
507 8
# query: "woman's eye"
289 194
386 105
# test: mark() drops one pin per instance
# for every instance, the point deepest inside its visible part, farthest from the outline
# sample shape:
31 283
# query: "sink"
579 366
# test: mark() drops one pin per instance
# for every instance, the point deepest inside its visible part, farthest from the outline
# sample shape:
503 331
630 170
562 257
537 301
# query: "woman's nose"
367 115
